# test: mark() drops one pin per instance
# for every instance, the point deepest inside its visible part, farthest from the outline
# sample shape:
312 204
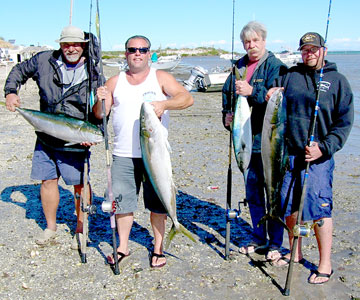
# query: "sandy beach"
194 271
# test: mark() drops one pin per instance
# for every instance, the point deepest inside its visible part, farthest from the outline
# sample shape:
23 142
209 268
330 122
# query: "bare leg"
324 239
124 224
158 223
78 190
49 193
290 222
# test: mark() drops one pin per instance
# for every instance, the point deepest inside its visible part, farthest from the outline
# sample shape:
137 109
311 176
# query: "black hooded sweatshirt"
336 108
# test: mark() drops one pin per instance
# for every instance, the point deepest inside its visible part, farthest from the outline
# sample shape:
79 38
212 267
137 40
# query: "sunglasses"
312 50
143 50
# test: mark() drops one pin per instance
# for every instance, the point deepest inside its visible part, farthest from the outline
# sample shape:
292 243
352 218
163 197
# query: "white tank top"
126 112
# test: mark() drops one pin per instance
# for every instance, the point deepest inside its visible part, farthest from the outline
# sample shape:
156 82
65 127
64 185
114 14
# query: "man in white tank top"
124 94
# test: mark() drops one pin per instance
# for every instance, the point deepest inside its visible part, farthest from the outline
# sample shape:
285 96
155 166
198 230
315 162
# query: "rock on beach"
194 271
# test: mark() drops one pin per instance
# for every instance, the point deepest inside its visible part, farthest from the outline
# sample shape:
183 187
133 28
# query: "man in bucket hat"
332 127
62 77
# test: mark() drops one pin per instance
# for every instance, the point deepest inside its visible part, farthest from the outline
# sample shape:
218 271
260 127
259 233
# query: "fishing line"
306 175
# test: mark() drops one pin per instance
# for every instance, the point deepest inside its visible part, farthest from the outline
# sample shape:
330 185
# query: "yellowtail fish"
72 130
156 156
273 153
241 132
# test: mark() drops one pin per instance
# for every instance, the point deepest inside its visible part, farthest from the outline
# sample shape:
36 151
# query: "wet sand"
193 271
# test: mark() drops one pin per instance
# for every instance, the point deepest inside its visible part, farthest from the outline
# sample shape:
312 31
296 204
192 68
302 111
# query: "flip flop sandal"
287 261
273 255
283 258
321 275
157 257
255 246
121 258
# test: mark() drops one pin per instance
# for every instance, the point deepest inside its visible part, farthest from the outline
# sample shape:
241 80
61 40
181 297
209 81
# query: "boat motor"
197 74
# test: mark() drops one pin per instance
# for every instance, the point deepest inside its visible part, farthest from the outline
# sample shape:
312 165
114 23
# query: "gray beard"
72 58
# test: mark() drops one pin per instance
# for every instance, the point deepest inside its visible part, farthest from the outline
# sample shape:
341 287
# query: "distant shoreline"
203 52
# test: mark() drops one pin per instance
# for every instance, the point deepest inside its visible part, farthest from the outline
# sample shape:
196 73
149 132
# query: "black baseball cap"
311 38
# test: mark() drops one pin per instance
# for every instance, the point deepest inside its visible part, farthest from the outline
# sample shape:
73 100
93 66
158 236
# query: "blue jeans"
255 197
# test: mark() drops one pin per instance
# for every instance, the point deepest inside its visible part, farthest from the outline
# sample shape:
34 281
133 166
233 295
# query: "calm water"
348 64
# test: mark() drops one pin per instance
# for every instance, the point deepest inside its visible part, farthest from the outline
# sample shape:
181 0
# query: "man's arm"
180 98
105 93
18 75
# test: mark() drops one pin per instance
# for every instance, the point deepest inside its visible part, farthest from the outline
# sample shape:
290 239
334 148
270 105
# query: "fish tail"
275 218
246 172
174 231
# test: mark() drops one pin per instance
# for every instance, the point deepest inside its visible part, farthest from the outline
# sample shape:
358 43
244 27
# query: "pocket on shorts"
325 202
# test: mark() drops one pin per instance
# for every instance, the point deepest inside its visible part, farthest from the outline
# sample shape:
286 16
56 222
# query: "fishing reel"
235 213
304 230
90 208
111 206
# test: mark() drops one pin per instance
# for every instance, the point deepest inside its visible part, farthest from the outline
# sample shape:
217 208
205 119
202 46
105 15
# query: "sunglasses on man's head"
141 50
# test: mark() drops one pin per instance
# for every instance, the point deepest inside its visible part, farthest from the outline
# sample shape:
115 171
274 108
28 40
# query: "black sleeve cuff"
10 91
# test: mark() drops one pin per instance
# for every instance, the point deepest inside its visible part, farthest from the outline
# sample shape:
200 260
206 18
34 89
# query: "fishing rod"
85 200
229 172
112 203
71 9
298 228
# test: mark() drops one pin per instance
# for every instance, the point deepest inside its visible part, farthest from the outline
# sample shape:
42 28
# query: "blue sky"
177 24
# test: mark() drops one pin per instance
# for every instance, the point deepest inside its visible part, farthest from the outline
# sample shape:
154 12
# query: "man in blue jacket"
333 125
62 77
261 67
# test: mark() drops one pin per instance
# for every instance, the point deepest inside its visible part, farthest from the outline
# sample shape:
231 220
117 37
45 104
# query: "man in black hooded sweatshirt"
333 125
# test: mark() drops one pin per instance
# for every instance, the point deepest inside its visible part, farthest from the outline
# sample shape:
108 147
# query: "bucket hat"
72 34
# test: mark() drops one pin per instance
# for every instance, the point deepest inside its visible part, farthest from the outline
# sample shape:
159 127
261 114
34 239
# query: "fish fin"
168 146
175 231
275 218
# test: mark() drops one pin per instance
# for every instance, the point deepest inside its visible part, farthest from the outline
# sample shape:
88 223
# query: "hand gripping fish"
241 131
156 156
273 153
72 130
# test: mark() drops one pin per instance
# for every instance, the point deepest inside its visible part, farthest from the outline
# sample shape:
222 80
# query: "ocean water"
347 63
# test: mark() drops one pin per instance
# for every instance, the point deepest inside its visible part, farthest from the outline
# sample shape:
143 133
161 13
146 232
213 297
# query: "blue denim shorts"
127 175
318 201
50 164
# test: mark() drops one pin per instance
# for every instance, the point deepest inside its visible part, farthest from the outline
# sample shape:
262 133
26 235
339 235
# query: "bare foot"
247 249
273 255
284 261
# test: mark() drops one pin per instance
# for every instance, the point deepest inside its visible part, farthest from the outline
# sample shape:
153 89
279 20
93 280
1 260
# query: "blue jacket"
336 108
267 70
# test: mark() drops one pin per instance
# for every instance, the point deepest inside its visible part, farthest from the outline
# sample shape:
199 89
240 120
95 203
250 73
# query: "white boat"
169 62
162 63
288 57
122 65
201 80
229 56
